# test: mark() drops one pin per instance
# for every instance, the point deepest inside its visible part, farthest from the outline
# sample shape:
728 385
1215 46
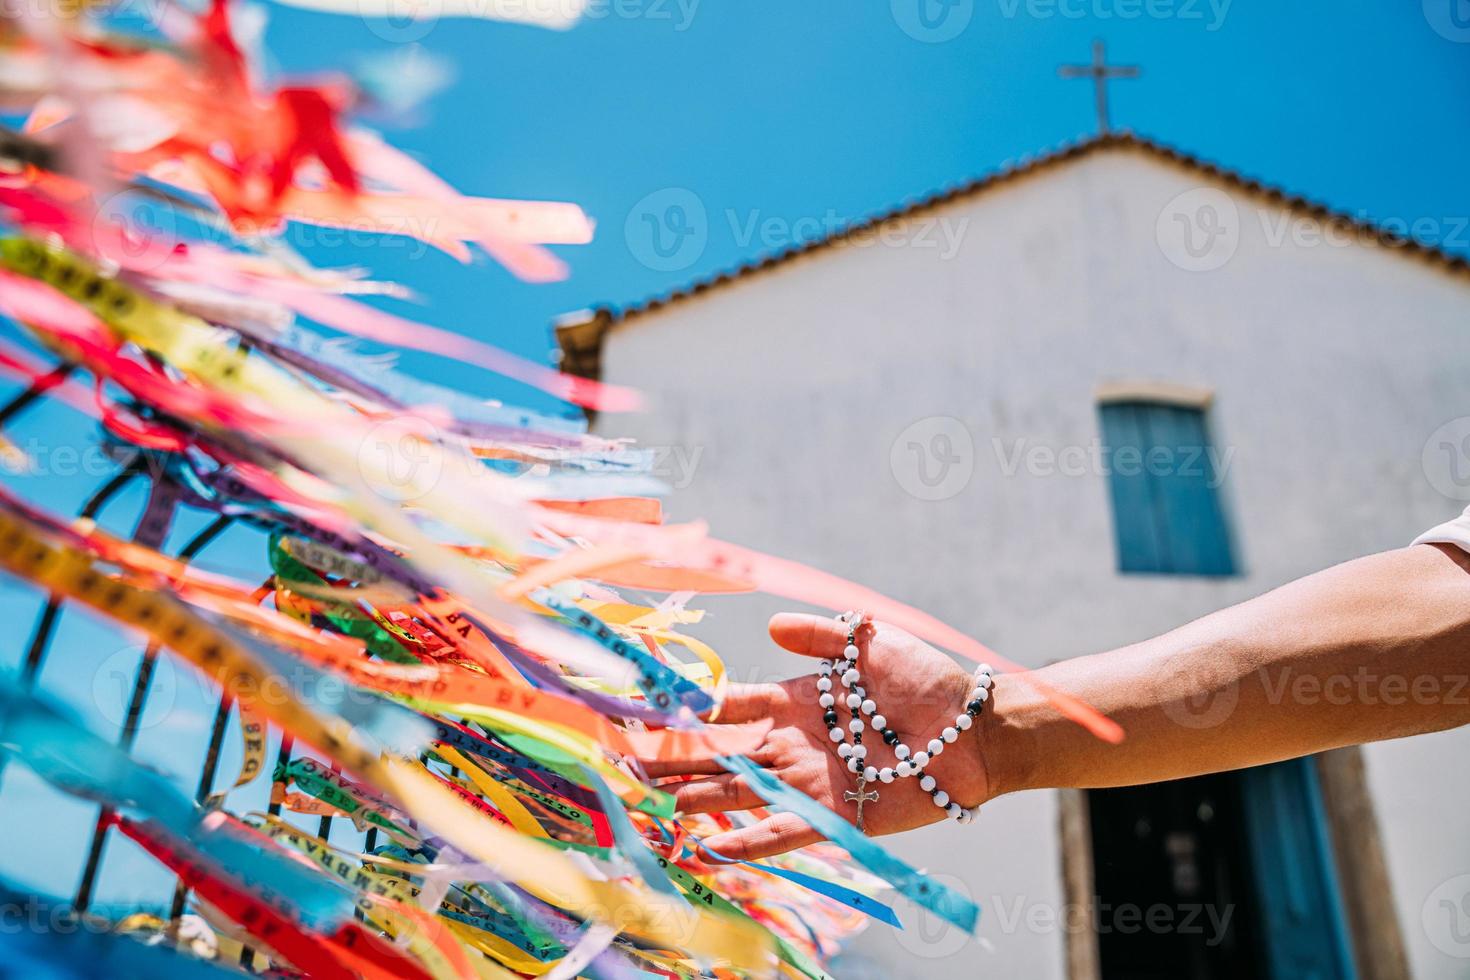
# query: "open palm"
918 689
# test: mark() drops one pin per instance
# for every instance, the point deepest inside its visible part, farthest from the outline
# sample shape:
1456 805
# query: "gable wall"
1331 366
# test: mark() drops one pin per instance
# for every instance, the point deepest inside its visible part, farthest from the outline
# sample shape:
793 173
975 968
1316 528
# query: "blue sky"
808 112
818 110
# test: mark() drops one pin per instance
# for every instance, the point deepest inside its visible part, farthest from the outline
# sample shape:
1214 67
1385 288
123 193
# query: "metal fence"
39 649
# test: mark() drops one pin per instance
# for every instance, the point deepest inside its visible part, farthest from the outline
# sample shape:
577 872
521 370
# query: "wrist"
1005 736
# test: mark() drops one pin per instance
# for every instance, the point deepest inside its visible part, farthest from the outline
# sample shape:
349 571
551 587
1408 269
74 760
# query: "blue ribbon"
916 886
663 686
78 762
83 953
629 841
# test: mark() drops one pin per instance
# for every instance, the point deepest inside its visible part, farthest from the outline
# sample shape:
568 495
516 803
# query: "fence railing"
42 640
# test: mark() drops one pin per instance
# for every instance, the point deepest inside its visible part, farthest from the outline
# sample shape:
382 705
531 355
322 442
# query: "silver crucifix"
860 797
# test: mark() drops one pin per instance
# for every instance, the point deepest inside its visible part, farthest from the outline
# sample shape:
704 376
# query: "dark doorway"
1221 877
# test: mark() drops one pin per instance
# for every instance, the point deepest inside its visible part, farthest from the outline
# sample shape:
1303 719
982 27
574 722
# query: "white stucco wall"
1331 365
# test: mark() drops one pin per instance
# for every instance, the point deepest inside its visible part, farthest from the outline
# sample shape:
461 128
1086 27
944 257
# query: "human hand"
919 691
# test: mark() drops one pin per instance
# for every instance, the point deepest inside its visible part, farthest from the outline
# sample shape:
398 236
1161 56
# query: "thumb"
813 636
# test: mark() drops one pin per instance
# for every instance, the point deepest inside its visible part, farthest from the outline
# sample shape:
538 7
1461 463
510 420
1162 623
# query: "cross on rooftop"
1100 72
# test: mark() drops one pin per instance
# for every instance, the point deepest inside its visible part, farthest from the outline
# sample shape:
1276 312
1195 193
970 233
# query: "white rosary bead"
985 669
909 763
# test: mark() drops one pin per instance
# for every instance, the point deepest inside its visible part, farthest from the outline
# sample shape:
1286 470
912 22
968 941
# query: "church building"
1064 407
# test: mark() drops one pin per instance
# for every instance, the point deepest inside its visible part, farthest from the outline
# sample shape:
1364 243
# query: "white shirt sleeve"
1455 532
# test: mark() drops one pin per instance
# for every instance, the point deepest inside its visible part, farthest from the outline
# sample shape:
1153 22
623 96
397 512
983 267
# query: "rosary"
909 763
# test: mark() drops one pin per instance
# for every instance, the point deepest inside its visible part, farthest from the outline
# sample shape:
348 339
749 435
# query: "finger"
748 702
661 768
715 794
814 636
776 834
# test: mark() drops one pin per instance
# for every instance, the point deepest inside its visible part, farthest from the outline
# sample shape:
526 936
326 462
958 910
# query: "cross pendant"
860 796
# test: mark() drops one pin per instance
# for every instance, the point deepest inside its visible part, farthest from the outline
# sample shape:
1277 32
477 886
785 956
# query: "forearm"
1376 648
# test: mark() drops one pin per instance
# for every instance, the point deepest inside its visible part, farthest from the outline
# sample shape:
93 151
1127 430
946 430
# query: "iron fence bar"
137 701
283 758
35 392
206 783
45 628
46 625
43 635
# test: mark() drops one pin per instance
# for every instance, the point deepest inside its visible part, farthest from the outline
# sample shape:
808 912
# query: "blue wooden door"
1300 918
